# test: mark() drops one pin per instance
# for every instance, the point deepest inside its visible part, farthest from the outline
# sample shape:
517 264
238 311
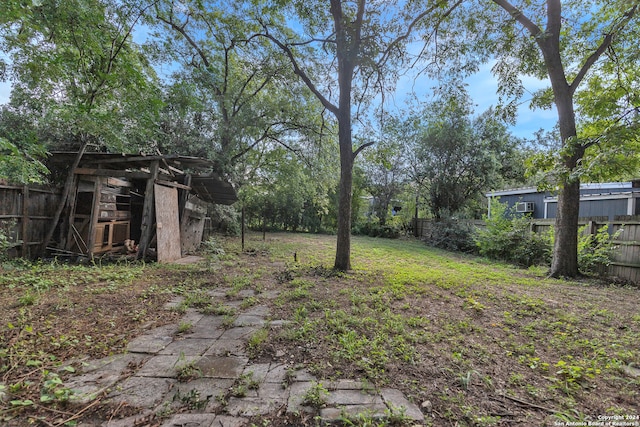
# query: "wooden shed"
148 205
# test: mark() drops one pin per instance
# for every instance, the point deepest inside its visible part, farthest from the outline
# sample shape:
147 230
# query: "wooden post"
242 226
25 221
73 192
184 197
95 213
148 211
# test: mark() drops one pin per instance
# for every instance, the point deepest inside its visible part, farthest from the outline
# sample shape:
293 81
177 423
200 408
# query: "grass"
483 343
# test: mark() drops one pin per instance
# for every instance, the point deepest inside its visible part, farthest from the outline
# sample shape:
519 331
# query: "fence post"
25 221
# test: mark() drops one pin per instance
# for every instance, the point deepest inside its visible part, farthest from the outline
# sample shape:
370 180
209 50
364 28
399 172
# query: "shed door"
167 223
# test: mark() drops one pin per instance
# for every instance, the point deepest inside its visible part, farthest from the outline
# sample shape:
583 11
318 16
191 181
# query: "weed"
219 309
249 302
192 400
471 303
256 342
244 383
316 396
184 327
574 374
53 389
465 379
27 299
188 371
228 321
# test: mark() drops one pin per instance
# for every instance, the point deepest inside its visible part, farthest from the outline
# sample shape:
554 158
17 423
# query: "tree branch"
517 14
606 42
188 38
362 147
299 72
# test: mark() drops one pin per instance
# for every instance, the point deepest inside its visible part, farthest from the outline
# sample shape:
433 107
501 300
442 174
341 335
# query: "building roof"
206 183
610 186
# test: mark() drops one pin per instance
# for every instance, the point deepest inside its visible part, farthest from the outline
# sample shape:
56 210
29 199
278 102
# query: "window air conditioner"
522 207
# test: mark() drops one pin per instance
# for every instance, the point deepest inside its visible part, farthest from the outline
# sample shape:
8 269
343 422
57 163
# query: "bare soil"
480 351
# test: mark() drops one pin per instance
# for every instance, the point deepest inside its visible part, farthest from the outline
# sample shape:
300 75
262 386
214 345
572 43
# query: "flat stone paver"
221 367
227 347
165 366
188 347
213 390
398 403
142 392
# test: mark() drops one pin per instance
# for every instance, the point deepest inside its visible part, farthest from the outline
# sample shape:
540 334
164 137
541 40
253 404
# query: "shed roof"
207 184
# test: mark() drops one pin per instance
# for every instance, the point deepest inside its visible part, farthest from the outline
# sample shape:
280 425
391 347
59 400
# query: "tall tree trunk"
565 247
343 244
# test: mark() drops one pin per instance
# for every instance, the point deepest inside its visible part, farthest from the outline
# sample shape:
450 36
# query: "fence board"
25 215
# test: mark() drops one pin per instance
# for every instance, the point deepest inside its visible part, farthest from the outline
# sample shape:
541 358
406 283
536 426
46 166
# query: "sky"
482 88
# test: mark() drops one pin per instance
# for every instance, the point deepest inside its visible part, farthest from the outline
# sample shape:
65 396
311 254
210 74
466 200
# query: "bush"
509 238
595 251
374 229
6 241
451 235
224 219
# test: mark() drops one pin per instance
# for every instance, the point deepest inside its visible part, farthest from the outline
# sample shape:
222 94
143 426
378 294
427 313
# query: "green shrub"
224 219
6 241
451 235
507 237
374 229
595 251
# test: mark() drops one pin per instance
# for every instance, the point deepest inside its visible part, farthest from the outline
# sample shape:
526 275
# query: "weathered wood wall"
626 257
25 215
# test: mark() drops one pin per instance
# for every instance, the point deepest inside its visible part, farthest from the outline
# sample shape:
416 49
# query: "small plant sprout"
316 396
184 327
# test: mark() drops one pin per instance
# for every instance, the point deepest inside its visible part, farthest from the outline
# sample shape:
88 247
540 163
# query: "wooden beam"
172 184
113 173
64 198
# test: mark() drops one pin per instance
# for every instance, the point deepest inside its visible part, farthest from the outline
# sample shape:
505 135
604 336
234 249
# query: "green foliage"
78 77
6 242
595 251
225 219
507 237
21 166
453 157
288 194
375 229
451 234
316 396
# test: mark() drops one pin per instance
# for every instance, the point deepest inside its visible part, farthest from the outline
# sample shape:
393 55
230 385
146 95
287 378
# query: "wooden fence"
25 215
626 257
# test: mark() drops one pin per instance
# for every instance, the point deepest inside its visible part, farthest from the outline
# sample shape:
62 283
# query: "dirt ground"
471 343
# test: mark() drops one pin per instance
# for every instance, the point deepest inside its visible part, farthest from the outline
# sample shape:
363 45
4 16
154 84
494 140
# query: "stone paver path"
203 377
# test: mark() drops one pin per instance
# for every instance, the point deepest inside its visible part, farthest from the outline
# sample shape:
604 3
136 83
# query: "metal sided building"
607 199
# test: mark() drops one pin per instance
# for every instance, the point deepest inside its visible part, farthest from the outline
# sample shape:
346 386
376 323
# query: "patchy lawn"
472 342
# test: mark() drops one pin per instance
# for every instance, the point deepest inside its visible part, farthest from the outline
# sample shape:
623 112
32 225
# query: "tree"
346 59
229 96
74 63
564 44
385 174
455 157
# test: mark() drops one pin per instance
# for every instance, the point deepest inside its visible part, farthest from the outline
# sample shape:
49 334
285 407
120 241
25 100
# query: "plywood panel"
167 223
